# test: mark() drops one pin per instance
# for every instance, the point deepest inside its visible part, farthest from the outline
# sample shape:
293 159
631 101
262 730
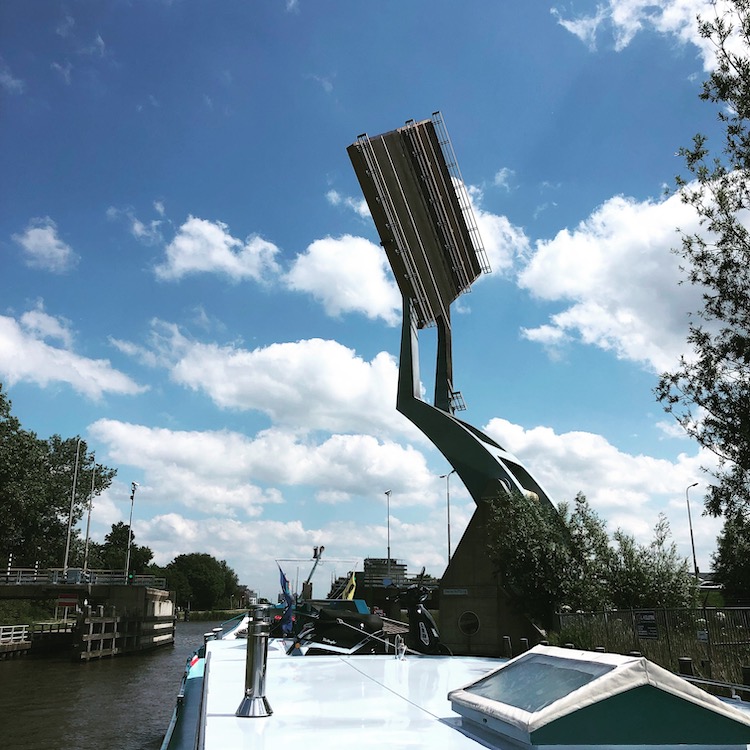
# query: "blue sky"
191 281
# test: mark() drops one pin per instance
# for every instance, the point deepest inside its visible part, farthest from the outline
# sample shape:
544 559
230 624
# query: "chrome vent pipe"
254 704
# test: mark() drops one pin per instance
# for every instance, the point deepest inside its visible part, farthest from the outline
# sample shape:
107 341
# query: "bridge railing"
14 634
45 576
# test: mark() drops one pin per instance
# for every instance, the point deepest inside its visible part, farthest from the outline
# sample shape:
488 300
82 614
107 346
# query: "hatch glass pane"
537 680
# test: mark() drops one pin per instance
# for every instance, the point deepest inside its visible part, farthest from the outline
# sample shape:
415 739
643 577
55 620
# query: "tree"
201 581
112 554
731 560
528 544
36 483
650 575
709 391
587 575
548 560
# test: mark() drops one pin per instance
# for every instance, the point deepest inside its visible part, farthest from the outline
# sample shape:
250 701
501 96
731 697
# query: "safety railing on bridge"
45 576
14 634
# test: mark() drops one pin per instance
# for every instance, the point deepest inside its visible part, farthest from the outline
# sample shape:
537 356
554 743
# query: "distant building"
371 584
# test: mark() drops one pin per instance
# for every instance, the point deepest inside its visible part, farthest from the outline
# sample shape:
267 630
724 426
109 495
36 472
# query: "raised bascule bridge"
421 209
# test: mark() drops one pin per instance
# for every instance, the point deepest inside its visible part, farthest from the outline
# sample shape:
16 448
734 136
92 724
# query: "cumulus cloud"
619 279
26 356
347 274
223 472
41 325
312 384
214 481
628 491
43 248
203 246
627 18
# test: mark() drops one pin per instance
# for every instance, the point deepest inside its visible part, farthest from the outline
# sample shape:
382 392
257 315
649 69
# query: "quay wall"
94 621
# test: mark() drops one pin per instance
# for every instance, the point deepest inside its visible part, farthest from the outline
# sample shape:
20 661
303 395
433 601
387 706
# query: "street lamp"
70 515
133 486
388 526
690 524
88 521
447 478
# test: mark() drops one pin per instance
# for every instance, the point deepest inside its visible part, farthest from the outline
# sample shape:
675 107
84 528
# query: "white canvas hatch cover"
562 697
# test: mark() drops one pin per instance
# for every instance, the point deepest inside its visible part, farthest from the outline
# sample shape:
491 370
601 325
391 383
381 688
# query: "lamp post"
88 521
690 524
388 526
133 486
447 478
70 515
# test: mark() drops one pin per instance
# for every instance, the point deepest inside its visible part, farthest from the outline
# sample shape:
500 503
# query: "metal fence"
715 640
44 576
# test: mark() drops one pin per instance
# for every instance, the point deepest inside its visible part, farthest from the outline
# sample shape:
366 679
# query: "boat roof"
378 701
373 701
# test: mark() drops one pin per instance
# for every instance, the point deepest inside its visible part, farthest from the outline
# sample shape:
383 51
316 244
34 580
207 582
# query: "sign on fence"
645 624
69 601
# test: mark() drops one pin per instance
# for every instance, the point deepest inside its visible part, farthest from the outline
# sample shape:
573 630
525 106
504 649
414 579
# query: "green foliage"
709 391
586 584
112 554
650 575
201 581
25 612
731 560
36 483
548 561
529 546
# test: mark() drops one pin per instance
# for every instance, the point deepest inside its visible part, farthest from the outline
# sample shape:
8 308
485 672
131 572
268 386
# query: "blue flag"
286 618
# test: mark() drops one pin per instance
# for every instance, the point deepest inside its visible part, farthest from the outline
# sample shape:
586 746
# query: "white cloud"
503 242
8 81
146 233
347 274
628 491
65 26
584 27
503 178
311 384
43 249
26 357
215 481
41 325
202 246
97 48
627 18
618 273
358 205
64 70
223 473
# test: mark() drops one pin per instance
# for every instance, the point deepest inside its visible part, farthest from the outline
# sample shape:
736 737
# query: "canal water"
123 703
